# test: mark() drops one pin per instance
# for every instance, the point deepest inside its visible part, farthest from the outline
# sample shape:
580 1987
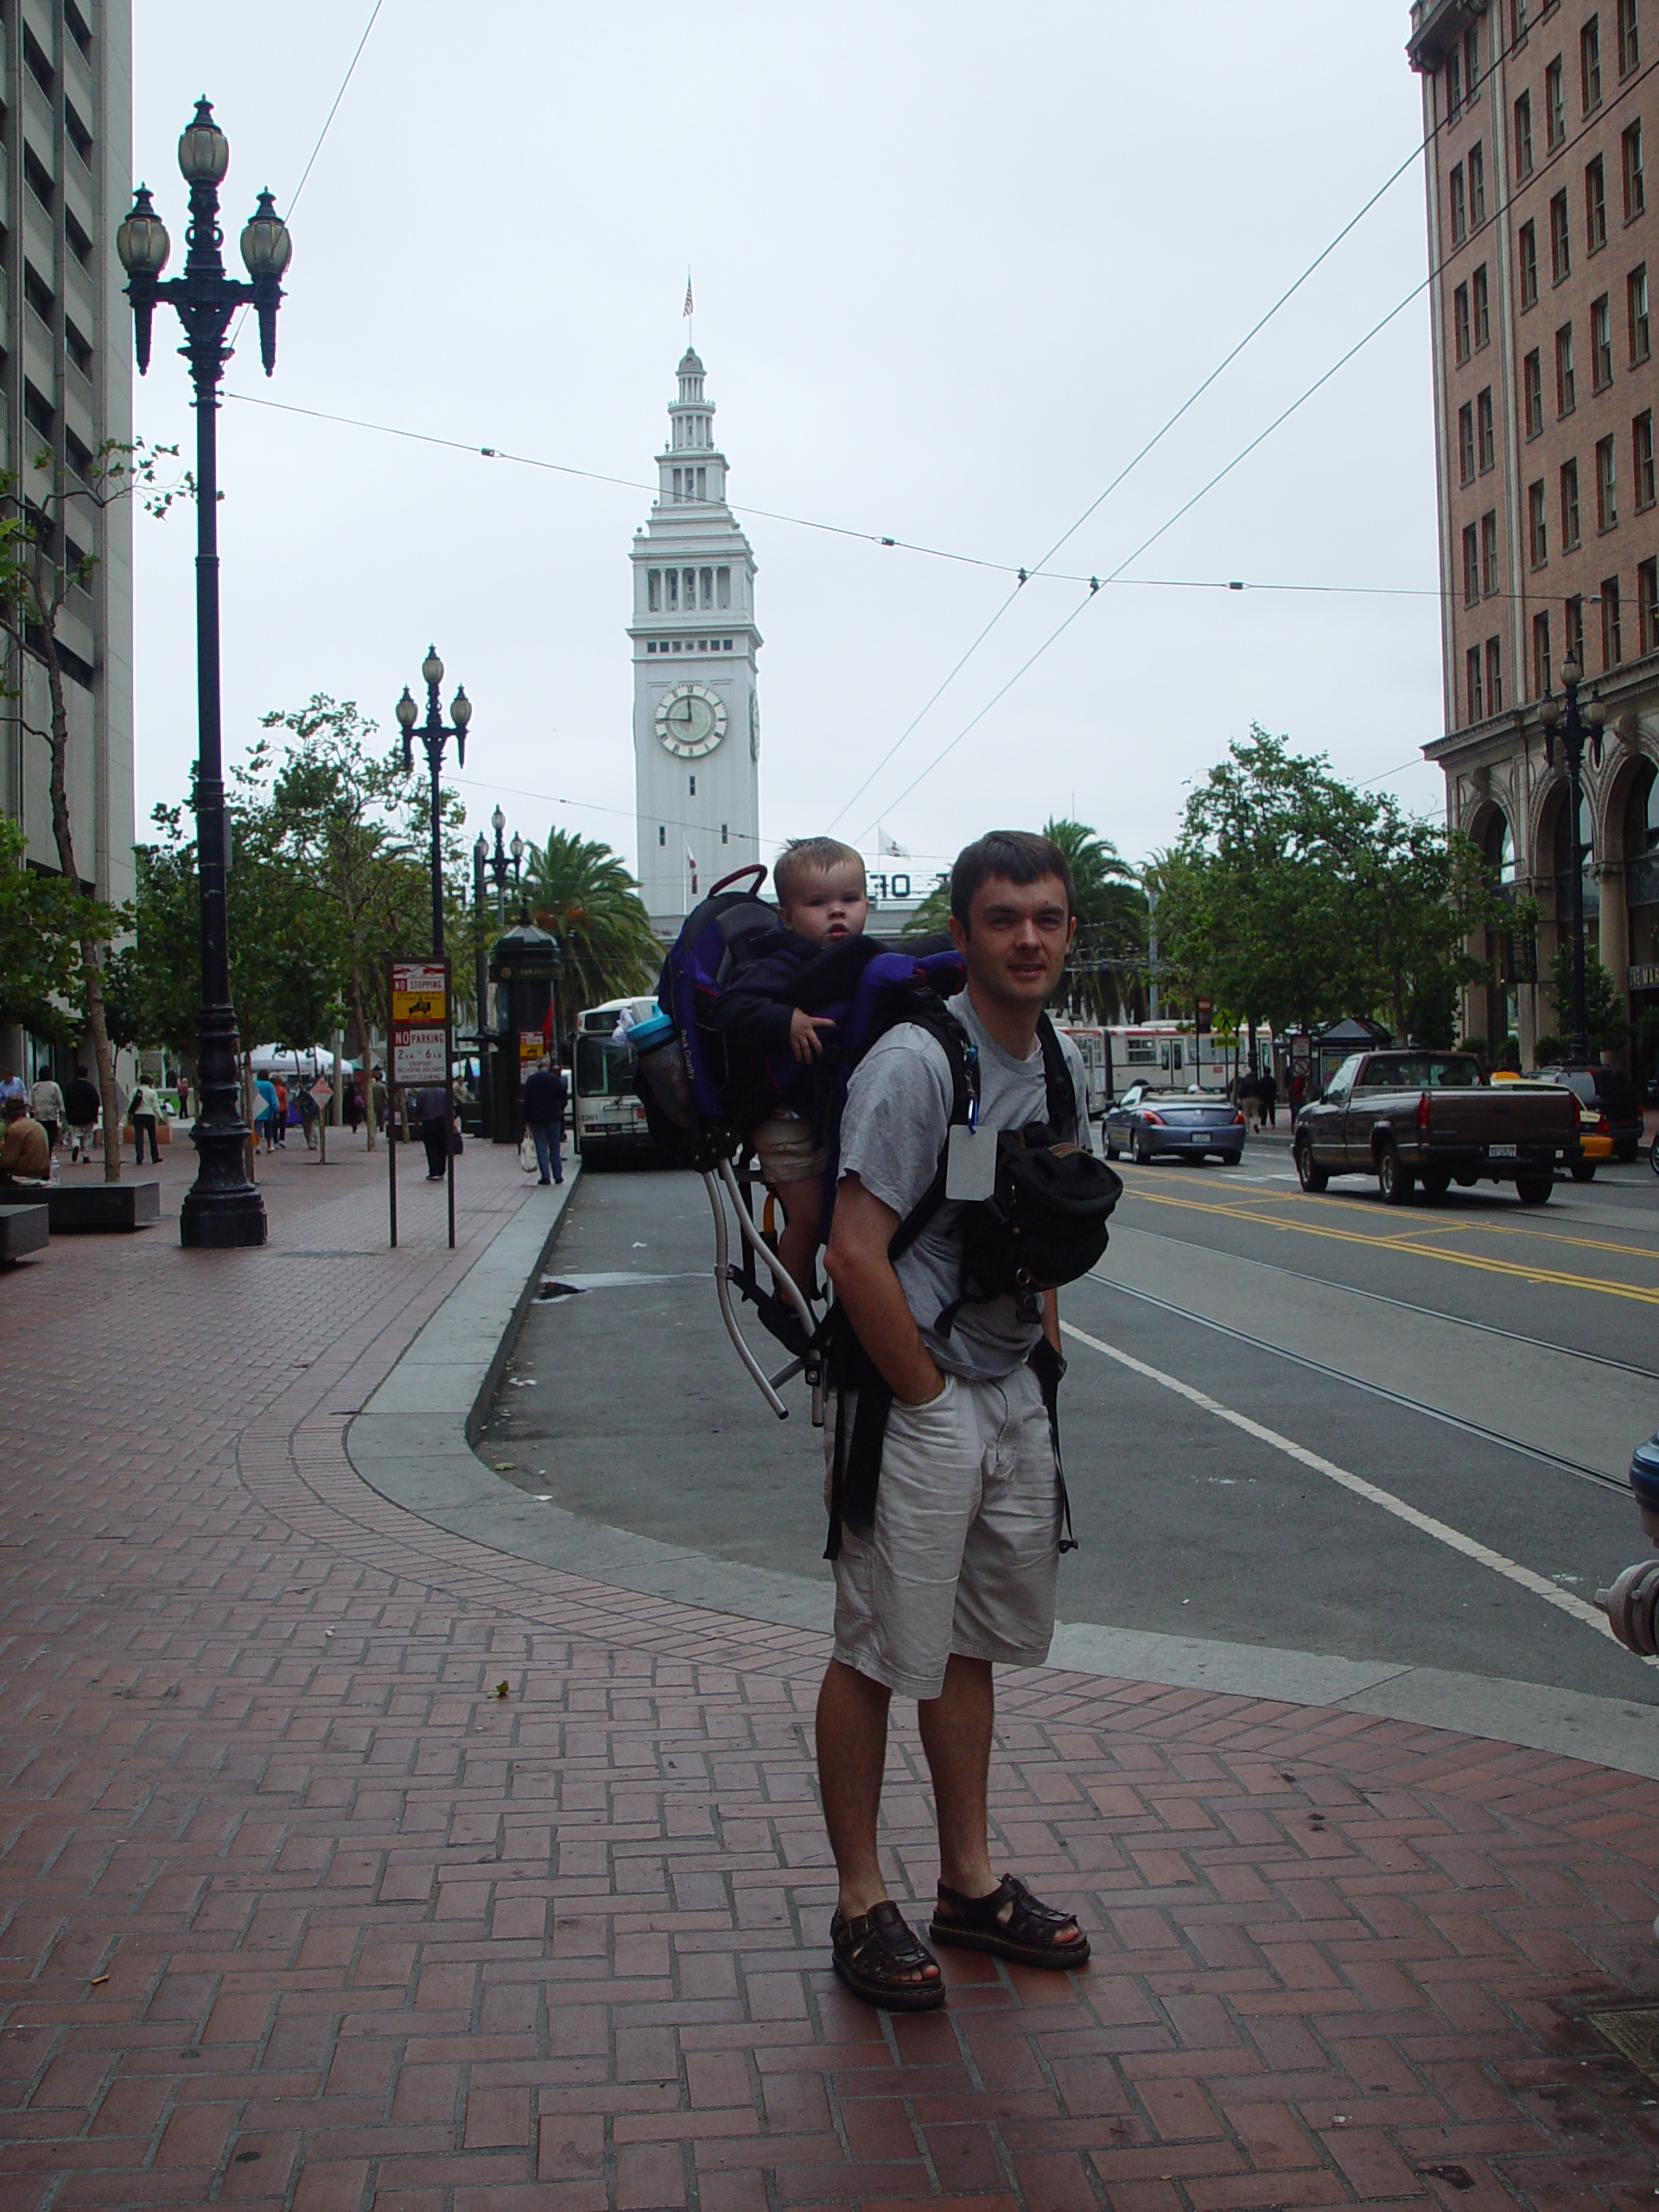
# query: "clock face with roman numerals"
690 721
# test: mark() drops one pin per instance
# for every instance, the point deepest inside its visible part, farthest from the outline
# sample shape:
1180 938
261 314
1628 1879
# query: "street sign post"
419 1057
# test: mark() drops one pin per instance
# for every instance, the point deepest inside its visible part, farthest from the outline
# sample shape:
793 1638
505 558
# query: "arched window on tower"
707 582
690 581
673 576
653 590
723 587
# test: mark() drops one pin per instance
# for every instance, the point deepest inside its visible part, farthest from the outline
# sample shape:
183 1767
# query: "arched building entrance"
1641 826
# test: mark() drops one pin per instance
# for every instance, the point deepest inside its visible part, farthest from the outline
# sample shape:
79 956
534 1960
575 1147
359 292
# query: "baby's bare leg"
797 1245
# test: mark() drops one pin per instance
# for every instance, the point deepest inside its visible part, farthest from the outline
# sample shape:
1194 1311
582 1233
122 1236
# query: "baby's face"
829 904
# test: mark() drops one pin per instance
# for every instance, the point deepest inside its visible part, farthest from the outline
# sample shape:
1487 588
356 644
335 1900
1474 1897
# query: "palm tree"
1108 962
579 889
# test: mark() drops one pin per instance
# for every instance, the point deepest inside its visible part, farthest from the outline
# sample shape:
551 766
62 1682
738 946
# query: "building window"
705 584
1560 241
1533 378
1641 459
1630 45
1526 253
1555 106
1541 661
1494 676
673 578
1601 344
1460 211
1612 636
1482 308
1575 637
653 590
662 834
1465 443
1489 552
1566 385
651 645
1569 506
1470 565
722 833
1517 22
1595 205
1472 684
725 644
689 580
1607 487
1523 137
1483 420
1460 325
1454 85
1646 604
1477 187
1471 64
1636 296
723 587
1537 531
678 495
702 483
1589 63
1636 197
694 786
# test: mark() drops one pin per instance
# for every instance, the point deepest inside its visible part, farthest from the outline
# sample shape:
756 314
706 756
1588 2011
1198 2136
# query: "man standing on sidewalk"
958 1570
545 1092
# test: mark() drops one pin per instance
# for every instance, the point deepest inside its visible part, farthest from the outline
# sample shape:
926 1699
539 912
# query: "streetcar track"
1407 1305
1374 1390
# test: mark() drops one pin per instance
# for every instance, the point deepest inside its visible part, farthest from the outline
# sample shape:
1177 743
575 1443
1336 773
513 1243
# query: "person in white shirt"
46 1104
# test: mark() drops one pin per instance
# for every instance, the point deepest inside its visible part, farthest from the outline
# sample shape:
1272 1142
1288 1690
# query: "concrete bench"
104 1205
23 1229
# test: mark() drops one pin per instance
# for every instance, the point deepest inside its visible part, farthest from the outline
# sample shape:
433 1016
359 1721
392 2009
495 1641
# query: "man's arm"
857 1263
1051 1317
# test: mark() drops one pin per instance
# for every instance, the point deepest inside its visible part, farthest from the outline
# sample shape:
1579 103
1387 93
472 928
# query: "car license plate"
1500 1152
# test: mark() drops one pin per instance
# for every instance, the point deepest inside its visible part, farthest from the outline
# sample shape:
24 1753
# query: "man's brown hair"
809 857
1017 857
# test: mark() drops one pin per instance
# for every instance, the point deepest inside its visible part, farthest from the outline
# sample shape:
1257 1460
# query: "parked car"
1432 1117
1595 1142
1146 1122
1613 1095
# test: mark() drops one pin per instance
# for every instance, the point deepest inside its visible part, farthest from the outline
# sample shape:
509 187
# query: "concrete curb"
412 1443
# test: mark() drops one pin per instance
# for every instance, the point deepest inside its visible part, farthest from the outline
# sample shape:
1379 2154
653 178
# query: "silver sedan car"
1145 1123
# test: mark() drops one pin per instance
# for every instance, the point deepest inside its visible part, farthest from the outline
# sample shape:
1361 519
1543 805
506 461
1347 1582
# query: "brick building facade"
1538 117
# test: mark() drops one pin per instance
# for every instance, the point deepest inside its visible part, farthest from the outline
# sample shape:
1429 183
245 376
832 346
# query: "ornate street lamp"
1574 731
223 1206
434 735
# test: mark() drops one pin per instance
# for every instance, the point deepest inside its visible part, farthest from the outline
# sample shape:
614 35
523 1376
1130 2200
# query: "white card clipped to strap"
970 1163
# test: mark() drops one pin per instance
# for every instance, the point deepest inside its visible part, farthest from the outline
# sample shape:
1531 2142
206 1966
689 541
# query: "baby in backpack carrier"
822 900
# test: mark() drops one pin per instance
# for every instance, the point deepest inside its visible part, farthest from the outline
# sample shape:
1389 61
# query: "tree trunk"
92 969
366 1081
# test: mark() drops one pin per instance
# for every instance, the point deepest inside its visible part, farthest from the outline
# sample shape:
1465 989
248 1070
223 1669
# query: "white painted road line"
1539 1585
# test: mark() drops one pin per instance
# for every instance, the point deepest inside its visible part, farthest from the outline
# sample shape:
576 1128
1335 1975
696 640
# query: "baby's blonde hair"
809 857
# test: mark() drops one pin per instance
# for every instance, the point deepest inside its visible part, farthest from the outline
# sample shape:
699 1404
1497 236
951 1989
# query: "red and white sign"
420 1053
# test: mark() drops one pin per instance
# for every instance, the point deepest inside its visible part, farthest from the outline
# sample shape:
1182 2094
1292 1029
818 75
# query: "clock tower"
696 713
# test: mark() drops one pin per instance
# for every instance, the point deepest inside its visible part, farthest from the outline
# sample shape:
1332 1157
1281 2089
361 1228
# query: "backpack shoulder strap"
964 1056
1057 1077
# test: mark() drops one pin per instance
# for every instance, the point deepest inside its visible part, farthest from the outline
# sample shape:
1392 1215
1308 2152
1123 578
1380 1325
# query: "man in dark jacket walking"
545 1092
432 1113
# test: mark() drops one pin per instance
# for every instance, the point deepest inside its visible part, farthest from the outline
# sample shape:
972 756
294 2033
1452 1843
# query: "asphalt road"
1318 1424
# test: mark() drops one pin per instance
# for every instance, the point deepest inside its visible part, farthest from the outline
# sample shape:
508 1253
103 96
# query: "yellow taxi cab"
1595 1137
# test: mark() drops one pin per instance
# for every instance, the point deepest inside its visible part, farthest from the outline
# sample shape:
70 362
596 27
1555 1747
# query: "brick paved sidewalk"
298 1913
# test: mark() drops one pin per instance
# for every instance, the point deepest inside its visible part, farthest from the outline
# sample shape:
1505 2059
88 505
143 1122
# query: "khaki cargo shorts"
787 1151
965 1552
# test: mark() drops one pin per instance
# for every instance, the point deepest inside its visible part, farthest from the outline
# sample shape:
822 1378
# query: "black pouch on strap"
1049 1367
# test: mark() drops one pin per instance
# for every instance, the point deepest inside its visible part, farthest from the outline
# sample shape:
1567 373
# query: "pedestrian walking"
545 1092
309 1115
1250 1097
47 1106
1298 1091
81 1107
280 1089
184 1098
957 1569
352 1105
12 1086
432 1116
1269 1096
265 1118
144 1112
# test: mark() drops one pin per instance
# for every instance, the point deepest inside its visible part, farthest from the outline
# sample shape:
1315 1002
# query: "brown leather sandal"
1010 1923
876 1952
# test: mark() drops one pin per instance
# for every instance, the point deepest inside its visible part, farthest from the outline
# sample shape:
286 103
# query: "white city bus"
608 1116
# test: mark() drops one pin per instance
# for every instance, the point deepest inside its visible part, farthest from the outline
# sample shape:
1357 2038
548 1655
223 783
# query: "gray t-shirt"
893 1132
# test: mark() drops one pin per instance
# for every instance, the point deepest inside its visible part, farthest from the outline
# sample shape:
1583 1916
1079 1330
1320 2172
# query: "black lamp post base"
220 1221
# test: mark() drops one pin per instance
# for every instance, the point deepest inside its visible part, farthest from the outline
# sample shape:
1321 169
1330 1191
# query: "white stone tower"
696 713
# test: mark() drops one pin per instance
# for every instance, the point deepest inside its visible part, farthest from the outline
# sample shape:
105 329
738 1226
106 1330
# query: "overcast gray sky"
954 264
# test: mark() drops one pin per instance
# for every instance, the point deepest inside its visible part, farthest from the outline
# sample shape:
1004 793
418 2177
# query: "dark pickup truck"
1432 1118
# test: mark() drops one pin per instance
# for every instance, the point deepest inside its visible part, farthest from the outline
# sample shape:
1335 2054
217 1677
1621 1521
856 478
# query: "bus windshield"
603 1070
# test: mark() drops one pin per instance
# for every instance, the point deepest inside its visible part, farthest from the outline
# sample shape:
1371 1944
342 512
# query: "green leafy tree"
1606 1017
578 888
44 921
42 567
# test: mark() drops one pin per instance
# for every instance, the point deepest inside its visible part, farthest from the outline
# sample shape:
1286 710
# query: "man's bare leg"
852 1741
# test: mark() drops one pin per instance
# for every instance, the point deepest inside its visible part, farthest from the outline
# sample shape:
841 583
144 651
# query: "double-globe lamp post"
1575 730
434 735
223 1206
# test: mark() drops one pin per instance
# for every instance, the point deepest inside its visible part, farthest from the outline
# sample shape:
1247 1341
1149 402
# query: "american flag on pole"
691 863
688 308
